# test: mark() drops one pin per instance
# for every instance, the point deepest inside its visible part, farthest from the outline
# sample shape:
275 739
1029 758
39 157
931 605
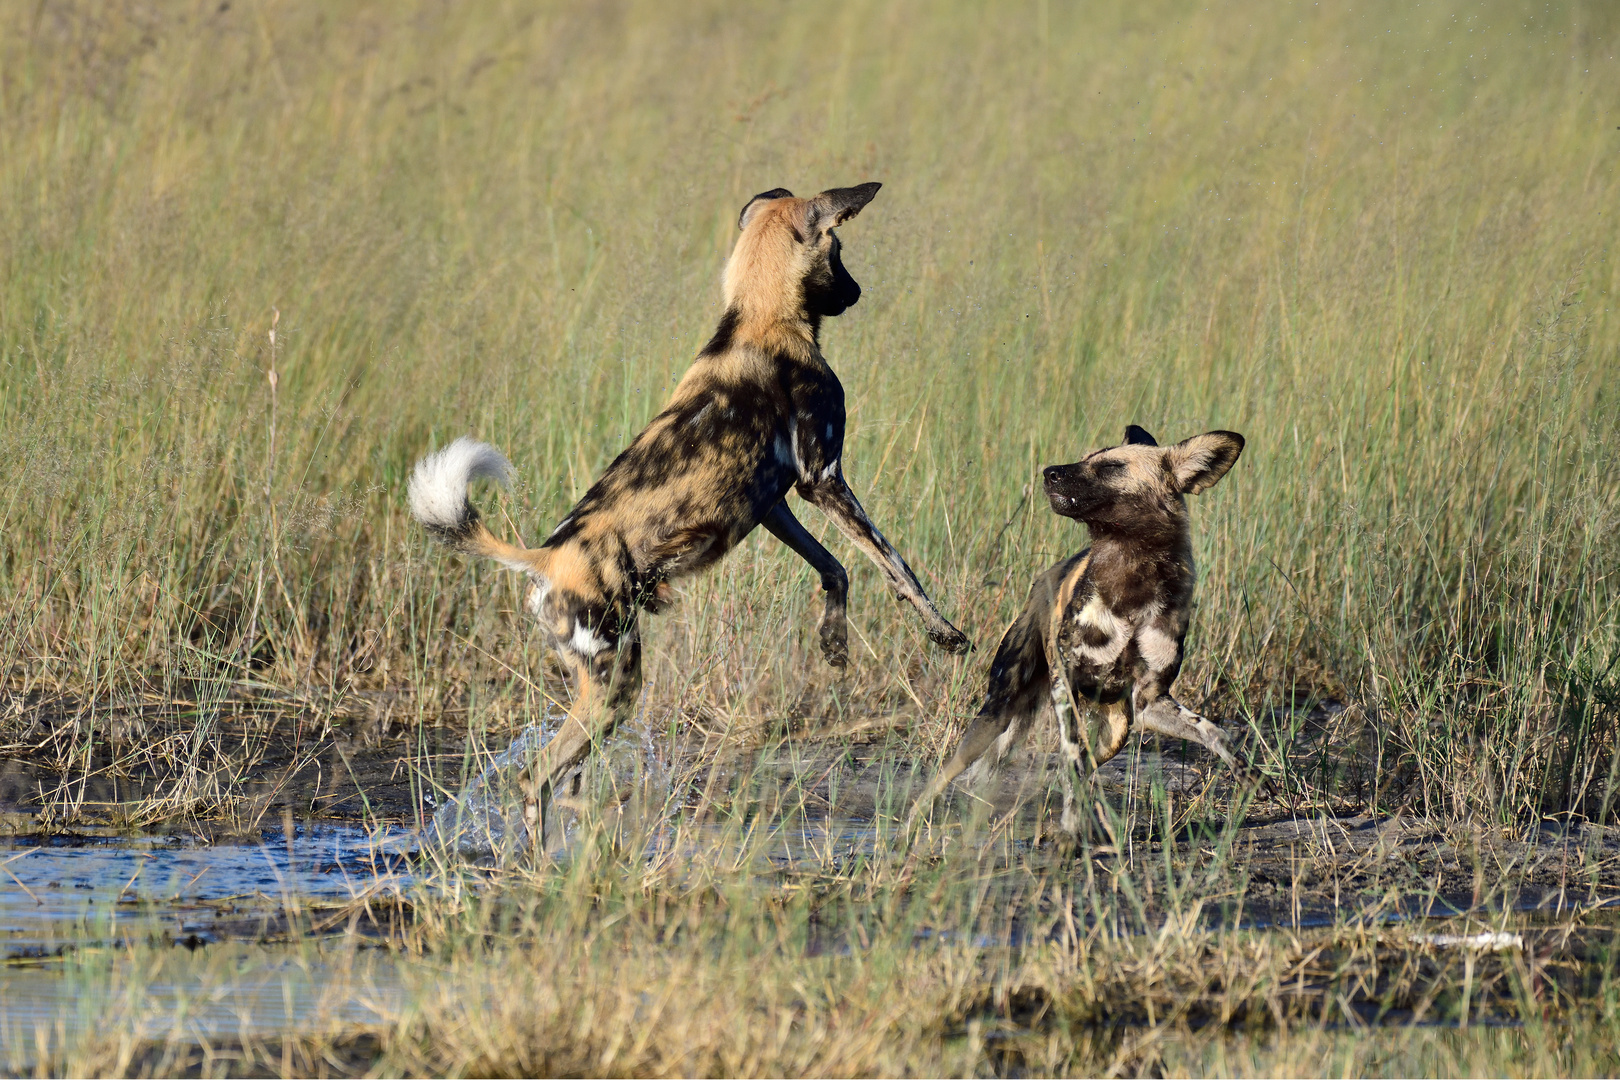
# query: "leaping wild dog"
1100 637
758 413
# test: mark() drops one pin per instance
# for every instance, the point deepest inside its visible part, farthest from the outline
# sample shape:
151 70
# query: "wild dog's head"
1137 487
786 264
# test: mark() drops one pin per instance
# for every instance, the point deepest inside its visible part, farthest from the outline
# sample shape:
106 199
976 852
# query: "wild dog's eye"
1109 466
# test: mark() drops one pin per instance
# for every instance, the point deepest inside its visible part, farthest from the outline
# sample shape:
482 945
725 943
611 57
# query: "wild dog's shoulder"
1068 583
740 365
818 406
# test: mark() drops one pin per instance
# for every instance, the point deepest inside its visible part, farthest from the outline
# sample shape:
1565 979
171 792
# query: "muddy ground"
1296 857
271 830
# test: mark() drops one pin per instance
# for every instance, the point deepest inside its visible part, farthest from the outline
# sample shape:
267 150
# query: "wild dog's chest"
812 432
1106 648
813 387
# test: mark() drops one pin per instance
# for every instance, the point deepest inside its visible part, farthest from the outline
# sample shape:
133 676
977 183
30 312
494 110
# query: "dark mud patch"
228 770
351 1054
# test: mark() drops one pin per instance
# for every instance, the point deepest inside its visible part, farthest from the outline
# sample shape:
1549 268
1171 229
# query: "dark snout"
847 289
1066 489
837 295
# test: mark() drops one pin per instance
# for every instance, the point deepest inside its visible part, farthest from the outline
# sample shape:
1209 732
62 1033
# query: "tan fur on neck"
766 267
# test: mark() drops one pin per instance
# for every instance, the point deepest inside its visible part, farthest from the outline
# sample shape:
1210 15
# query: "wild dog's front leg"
1106 728
834 626
833 497
1162 713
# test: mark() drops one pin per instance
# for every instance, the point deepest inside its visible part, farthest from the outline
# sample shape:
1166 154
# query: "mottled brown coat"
759 413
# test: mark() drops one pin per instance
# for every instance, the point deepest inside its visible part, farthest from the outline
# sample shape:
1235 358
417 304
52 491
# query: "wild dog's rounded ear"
1135 436
837 205
1198 463
753 204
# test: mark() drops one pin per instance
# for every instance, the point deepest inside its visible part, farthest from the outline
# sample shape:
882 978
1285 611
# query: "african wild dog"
758 414
1102 630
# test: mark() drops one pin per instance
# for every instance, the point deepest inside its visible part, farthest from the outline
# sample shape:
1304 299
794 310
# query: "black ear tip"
1136 436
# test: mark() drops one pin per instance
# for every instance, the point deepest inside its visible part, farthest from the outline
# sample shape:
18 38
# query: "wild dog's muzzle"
1068 489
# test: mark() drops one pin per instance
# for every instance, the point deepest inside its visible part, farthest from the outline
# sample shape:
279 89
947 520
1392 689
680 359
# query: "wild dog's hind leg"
832 496
1011 701
834 626
606 684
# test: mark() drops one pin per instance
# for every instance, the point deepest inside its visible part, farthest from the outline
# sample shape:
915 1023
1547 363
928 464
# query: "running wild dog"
1101 634
759 413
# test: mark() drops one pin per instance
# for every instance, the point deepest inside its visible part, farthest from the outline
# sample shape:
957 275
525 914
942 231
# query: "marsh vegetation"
1377 241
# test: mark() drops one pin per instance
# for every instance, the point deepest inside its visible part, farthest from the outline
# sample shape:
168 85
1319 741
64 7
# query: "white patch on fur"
438 489
1071 821
832 467
786 453
561 525
585 642
697 417
1097 614
1157 648
539 593
1063 704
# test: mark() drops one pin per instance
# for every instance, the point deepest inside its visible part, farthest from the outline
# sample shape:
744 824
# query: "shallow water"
63 892
487 820
228 993
245 966
71 909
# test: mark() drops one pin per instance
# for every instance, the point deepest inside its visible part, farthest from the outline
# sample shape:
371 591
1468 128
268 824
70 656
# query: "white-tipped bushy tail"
438 497
439 484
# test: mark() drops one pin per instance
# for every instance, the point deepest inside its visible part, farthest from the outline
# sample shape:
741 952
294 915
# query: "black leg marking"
834 627
832 496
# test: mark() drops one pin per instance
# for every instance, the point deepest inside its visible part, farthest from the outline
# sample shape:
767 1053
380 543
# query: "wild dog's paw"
834 647
834 634
950 639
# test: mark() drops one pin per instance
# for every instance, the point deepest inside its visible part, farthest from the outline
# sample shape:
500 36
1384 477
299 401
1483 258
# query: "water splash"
488 820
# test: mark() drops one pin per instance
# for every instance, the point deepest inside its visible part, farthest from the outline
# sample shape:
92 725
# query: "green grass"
1374 239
